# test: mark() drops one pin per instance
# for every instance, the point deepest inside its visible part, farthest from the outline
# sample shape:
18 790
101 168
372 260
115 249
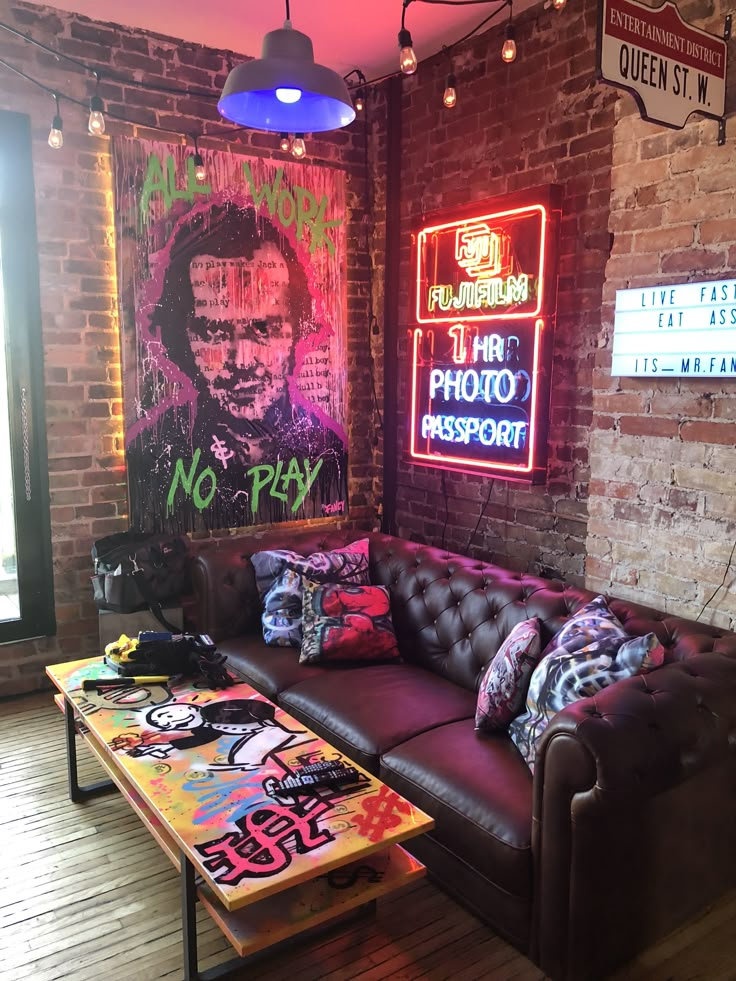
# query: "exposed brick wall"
77 268
541 120
663 462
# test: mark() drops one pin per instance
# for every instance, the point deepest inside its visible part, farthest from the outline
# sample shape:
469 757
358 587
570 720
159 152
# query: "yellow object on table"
121 649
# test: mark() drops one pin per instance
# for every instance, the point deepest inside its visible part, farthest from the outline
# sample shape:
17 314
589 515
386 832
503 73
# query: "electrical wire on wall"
480 516
720 586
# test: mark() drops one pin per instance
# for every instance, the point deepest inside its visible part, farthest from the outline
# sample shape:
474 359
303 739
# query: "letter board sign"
679 329
486 288
671 68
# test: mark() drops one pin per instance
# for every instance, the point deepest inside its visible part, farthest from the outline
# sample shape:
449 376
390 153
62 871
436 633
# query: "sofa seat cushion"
269 669
479 791
367 710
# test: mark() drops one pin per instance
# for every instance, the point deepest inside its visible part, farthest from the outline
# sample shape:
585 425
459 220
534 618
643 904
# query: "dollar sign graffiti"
221 452
381 813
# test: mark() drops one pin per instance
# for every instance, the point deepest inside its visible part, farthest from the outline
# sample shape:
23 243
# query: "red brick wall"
541 120
77 268
663 463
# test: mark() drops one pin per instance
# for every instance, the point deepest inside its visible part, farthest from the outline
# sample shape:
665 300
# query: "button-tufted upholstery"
629 819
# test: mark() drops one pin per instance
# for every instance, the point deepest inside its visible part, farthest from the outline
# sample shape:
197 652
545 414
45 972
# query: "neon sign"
481 350
482 268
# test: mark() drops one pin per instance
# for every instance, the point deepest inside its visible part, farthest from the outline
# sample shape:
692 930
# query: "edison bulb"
96 124
450 95
408 61
558 4
508 51
56 136
299 147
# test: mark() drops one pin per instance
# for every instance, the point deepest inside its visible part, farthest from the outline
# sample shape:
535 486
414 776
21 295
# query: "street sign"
672 68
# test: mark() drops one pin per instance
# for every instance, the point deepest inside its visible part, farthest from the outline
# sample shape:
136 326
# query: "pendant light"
285 90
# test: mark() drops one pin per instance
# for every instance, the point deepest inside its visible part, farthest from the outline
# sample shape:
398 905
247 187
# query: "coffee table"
199 767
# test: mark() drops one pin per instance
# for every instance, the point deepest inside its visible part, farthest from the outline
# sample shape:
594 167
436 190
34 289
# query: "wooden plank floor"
86 894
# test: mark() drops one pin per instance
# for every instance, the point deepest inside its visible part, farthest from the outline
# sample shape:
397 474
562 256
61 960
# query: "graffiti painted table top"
205 761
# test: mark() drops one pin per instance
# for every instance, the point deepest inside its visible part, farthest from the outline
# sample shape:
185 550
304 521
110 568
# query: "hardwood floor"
86 894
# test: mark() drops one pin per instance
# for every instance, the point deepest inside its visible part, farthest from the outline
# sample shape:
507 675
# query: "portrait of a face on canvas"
233 338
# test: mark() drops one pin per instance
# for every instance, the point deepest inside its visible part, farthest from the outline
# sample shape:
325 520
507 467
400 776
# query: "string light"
96 124
56 135
407 58
285 142
200 171
298 146
450 96
559 4
508 51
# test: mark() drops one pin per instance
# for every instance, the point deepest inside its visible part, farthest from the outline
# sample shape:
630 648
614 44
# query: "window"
26 582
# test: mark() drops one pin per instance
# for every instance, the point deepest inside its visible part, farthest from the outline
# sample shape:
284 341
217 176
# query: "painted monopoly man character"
252 723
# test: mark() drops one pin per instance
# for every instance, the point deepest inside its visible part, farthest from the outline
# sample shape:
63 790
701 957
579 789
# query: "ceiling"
346 34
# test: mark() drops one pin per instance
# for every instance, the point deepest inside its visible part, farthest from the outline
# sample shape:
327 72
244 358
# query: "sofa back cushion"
451 613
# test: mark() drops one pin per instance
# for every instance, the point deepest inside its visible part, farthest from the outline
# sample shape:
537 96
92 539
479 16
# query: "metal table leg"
189 932
77 793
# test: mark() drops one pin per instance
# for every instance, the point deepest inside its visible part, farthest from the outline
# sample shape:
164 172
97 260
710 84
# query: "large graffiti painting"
233 338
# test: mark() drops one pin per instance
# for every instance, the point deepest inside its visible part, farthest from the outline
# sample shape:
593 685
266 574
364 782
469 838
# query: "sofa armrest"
634 810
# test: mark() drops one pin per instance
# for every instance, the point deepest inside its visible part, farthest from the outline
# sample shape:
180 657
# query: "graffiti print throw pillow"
279 580
502 691
592 622
564 677
347 623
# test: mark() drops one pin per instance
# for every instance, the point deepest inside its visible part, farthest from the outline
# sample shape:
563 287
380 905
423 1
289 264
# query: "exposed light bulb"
508 51
56 136
407 58
288 96
96 124
299 147
359 101
284 142
200 171
558 4
450 96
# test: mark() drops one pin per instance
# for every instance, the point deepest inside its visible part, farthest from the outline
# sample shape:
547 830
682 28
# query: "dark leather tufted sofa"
628 825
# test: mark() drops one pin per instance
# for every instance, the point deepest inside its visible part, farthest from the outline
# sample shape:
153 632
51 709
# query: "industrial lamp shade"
285 91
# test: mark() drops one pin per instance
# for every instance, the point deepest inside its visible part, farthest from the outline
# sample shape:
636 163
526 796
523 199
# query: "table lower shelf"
313 903
292 911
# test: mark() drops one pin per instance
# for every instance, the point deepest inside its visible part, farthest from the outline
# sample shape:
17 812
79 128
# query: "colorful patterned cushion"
563 677
592 622
504 686
279 581
347 623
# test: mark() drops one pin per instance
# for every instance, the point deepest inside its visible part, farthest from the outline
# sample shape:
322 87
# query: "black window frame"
24 365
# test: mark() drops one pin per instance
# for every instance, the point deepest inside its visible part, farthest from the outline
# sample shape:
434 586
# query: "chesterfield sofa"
627 826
